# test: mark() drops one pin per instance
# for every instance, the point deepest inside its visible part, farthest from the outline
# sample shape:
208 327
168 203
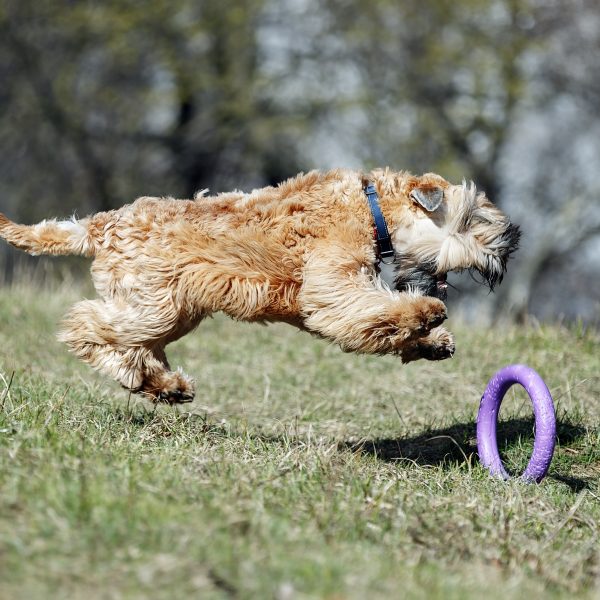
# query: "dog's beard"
426 281
420 277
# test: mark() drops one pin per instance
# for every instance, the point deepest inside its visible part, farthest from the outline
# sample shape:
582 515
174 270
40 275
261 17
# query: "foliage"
117 100
104 102
444 80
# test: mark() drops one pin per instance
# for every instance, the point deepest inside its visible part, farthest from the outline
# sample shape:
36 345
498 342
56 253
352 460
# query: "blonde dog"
302 252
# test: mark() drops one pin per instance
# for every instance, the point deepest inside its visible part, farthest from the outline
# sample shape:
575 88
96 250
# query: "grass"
299 472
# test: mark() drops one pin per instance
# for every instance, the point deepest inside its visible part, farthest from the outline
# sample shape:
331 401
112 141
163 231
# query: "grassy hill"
299 471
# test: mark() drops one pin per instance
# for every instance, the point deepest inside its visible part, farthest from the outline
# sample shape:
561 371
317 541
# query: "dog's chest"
387 274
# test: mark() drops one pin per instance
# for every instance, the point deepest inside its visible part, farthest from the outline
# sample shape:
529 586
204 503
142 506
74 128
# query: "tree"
107 101
439 81
551 172
455 86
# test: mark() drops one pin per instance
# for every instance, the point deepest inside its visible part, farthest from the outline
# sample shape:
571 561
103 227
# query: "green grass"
299 472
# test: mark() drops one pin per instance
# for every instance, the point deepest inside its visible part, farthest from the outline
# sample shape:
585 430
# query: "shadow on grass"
456 444
451 446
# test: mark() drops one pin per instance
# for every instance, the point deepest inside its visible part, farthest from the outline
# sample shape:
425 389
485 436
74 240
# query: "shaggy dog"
302 252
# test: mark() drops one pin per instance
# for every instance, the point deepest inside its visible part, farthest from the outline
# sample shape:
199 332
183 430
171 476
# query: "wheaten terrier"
305 252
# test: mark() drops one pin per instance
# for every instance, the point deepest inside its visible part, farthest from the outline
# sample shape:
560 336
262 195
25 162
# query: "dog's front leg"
342 300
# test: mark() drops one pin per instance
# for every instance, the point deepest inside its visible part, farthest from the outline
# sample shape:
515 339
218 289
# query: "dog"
303 252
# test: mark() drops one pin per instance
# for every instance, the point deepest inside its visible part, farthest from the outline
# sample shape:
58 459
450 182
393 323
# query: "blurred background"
101 102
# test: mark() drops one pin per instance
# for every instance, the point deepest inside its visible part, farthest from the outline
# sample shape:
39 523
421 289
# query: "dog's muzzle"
424 277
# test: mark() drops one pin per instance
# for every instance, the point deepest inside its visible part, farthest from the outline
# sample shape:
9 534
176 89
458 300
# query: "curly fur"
301 252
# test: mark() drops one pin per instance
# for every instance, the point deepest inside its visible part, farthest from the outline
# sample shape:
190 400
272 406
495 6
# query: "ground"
299 472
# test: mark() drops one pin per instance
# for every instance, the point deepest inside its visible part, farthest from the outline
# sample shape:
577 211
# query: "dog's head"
449 228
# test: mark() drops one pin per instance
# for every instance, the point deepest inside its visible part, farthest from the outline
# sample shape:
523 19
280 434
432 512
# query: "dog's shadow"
445 447
456 444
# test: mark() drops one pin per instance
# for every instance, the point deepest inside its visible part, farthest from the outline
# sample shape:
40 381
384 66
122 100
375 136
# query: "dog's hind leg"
128 345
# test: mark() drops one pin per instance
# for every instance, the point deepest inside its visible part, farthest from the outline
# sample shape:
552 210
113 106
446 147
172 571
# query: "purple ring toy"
545 421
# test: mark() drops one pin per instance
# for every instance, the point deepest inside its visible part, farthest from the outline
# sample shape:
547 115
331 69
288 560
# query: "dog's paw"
432 313
175 396
171 387
438 345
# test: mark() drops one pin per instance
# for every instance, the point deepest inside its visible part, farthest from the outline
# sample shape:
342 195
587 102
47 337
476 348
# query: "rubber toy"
545 421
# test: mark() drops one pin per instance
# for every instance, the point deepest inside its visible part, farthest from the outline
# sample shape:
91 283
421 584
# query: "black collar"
385 249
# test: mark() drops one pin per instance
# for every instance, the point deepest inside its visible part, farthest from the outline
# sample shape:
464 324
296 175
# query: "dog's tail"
50 237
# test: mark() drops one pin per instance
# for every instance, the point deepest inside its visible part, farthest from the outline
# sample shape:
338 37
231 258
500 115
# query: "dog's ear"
429 197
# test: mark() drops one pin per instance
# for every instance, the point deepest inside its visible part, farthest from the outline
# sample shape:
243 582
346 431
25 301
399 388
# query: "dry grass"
299 472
